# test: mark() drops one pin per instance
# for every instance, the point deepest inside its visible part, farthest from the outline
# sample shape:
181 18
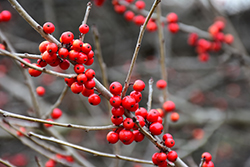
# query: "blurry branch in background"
6 163
150 93
38 161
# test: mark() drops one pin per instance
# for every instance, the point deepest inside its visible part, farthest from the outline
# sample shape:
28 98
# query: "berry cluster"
207 157
52 163
203 46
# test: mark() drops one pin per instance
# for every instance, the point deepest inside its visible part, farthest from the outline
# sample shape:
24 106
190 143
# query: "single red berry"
134 108
67 37
48 125
139 85
128 142
63 53
128 102
33 72
220 24
91 54
128 123
87 92
21 129
173 27
151 26
125 135
169 142
129 15
215 46
90 84
156 128
49 58
138 136
28 61
94 99
86 48
40 90
140 4
167 136
172 156
115 101
69 158
1 45
90 73
73 55
48 27
120 9
174 116
161 84
153 115
119 111
89 62
82 58
76 88
207 156
154 158
43 46
219 36
172 18
228 38
52 48
115 88
203 57
69 81
77 45
41 62
55 63
117 120
139 20
81 78
208 164
84 28
50 163
142 112
129 1
5 15
163 164
192 39
159 119
79 68
112 137
168 106
161 157
204 44
56 113
64 64
136 95
213 30
99 2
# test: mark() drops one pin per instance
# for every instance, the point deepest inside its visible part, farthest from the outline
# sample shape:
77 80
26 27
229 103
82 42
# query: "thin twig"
33 23
58 102
96 153
138 45
89 4
150 93
38 161
202 161
6 163
28 55
86 128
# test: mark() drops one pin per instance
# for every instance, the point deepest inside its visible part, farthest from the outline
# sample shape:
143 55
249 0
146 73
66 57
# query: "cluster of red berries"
161 159
207 157
52 163
5 16
203 46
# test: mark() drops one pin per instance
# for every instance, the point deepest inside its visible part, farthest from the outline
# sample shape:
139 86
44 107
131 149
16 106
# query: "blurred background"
211 97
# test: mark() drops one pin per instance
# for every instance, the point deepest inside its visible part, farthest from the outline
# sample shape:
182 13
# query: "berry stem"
202 161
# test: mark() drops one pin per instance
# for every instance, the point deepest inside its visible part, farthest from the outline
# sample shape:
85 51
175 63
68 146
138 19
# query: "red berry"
82 58
161 157
128 102
229 39
79 68
120 9
207 156
167 136
56 113
86 48
41 62
153 115
204 44
174 116
64 64
63 53
115 88
87 92
115 101
89 62
140 4
84 28
220 24
139 85
159 119
138 136
192 39
128 123
33 72
28 61
172 18
172 156
73 55
69 158
139 20
168 106
50 163
67 37
5 15
154 158
117 120
81 78
94 99
136 95
126 135
112 137
142 112
141 121
49 58
90 54
208 164
203 57
129 15
173 27
76 88
48 27
52 48
213 30
169 142
69 81
48 125
55 63
90 73
119 111
21 129
151 26
161 84
40 90
90 84
43 46
77 45
99 2
156 128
